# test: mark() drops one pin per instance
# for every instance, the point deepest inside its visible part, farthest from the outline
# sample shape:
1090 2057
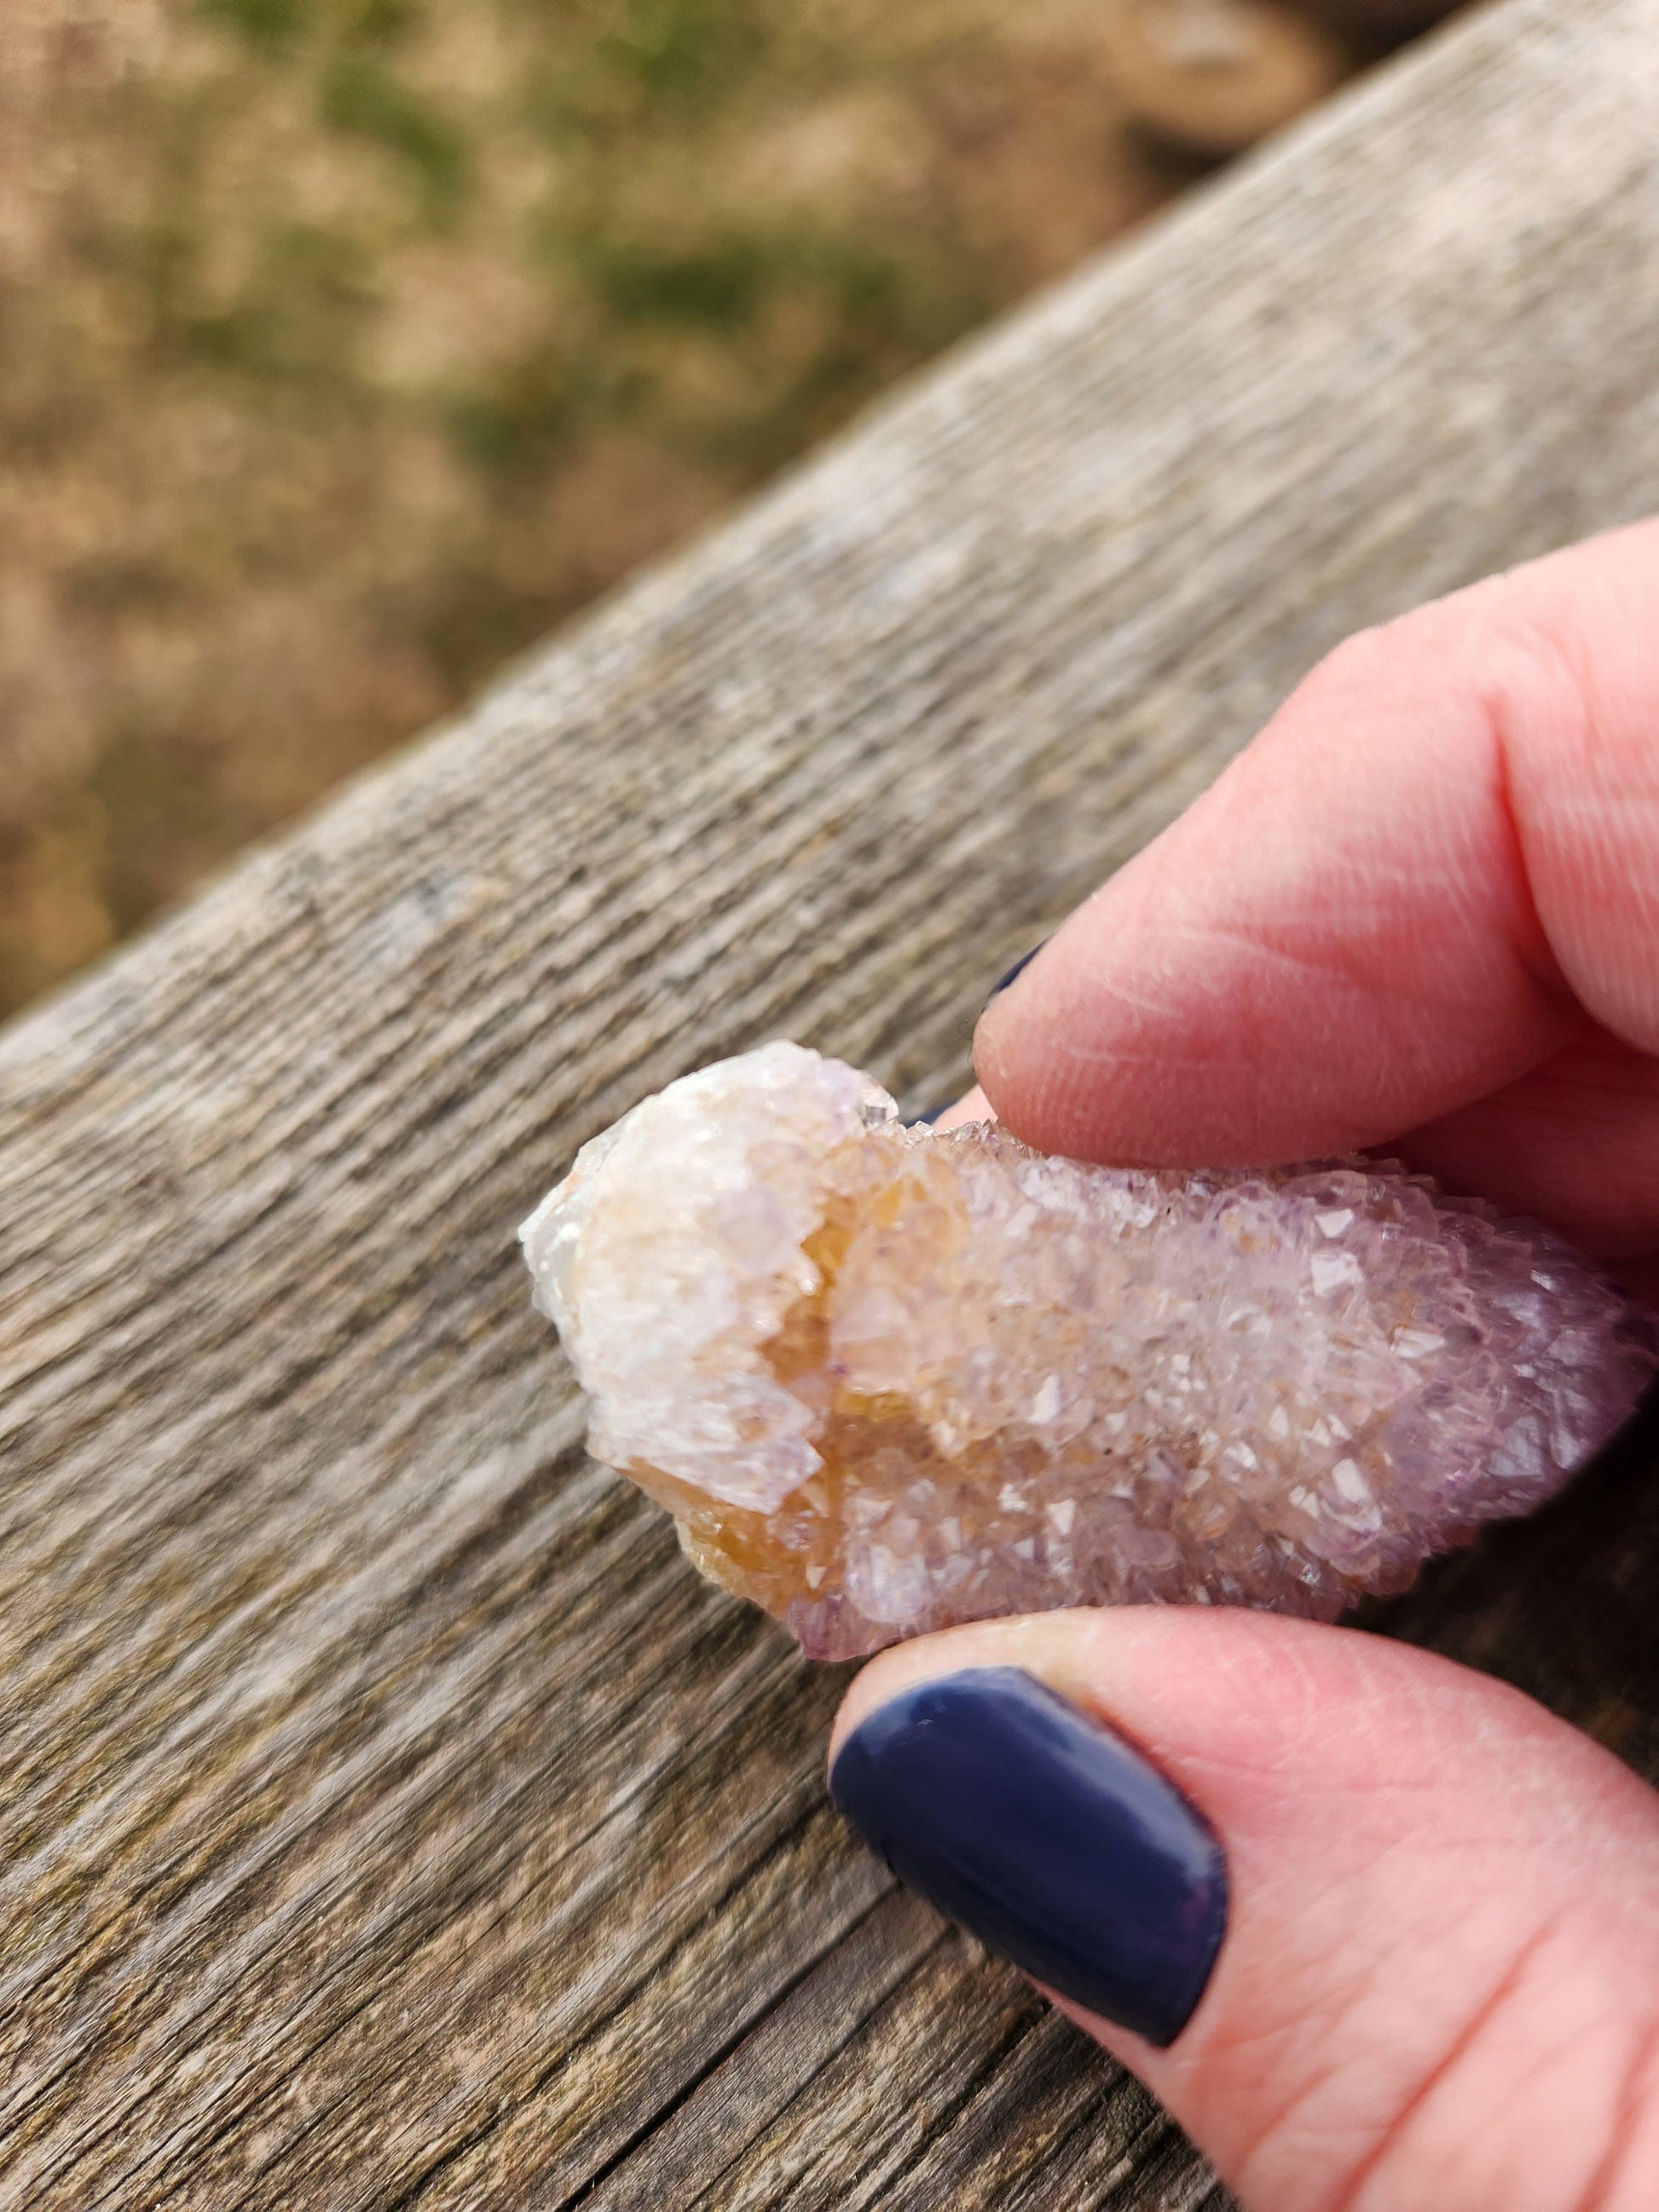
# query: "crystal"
887 1379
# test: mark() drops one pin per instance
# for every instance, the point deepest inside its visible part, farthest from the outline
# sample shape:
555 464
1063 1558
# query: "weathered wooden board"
388 1817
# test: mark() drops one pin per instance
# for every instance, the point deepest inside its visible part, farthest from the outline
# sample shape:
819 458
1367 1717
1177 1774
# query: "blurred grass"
348 344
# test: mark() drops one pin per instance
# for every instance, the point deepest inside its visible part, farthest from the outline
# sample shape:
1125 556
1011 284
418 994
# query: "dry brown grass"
349 344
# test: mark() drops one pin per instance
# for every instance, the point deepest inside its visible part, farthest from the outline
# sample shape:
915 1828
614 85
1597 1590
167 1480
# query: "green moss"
267 25
519 424
295 319
279 27
681 51
362 98
378 23
718 284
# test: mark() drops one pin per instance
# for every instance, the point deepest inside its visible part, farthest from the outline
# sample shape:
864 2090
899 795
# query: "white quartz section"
673 1250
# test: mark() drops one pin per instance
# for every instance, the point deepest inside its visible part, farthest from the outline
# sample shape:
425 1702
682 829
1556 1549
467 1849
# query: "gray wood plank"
390 1819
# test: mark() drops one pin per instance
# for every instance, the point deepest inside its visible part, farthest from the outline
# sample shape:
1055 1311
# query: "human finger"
1435 873
1380 1932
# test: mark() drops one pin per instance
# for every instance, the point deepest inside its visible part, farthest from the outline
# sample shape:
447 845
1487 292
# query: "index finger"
1426 893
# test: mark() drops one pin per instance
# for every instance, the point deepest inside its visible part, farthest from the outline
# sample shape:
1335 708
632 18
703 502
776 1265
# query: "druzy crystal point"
887 1379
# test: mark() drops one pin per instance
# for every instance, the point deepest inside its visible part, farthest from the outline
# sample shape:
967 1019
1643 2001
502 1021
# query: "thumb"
1387 1932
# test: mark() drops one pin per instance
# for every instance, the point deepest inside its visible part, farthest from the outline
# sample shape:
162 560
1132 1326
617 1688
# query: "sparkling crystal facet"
887 1379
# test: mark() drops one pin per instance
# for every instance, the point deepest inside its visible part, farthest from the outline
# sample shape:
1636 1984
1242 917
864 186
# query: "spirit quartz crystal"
887 1379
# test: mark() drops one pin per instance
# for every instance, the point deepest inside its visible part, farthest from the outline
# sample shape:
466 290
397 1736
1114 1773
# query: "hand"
1420 914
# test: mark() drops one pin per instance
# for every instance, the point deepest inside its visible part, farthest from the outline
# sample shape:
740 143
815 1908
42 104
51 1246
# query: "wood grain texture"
389 1817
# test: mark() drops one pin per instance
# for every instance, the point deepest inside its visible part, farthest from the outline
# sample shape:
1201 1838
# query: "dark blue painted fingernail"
1019 969
1047 1836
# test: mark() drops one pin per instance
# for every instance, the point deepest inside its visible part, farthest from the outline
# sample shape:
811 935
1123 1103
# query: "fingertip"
1025 1816
1054 1646
1337 942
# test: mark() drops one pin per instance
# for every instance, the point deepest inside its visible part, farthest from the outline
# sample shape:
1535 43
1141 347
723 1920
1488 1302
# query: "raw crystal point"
887 1379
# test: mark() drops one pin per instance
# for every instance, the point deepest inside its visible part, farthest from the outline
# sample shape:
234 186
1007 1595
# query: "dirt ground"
346 345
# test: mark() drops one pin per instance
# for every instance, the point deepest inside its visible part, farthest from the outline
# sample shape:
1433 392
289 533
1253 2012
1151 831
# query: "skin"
1420 914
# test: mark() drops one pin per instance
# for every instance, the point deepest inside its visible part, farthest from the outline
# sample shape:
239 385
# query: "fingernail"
1041 1831
927 1120
1019 969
